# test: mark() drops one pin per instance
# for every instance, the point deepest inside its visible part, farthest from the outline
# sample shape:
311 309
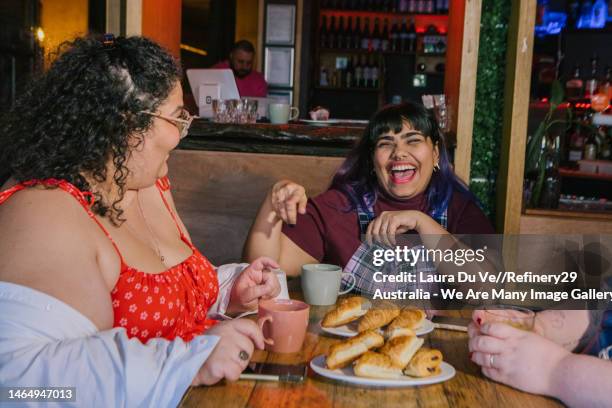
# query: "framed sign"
280 24
278 69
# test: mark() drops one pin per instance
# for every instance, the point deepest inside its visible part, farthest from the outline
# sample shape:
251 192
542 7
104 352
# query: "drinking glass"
515 316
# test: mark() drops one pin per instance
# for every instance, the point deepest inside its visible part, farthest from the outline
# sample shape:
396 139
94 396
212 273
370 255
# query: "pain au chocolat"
425 363
401 349
376 365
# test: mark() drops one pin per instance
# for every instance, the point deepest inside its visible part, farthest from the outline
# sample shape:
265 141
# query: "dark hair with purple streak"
356 177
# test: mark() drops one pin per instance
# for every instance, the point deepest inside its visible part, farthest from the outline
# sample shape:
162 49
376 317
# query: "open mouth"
402 173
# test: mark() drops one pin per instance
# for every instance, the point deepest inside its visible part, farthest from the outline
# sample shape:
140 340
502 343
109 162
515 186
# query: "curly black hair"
85 111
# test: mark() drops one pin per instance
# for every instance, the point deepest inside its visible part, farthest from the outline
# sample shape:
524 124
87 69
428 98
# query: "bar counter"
220 174
293 138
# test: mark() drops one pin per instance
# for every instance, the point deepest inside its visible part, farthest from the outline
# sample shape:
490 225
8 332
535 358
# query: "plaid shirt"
361 265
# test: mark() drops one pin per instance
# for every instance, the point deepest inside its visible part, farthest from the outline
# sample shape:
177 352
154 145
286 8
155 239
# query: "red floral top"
169 304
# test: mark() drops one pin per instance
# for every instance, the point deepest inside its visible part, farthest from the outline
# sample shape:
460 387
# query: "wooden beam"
516 110
161 22
462 57
260 38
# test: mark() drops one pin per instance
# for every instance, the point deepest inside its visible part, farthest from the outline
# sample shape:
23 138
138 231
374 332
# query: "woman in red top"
87 215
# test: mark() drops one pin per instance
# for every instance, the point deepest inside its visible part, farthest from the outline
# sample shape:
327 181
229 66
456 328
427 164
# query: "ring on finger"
491 360
243 355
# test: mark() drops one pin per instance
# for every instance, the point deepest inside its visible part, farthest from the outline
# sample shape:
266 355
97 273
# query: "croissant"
425 363
348 309
376 318
342 354
401 349
408 318
376 365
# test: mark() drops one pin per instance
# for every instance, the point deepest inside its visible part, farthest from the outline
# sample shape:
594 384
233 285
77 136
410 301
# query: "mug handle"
261 322
297 113
352 286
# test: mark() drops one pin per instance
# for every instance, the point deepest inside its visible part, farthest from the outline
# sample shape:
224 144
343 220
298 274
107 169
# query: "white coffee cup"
282 280
281 113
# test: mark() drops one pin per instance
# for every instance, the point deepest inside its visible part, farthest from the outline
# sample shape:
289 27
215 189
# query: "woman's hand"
237 340
256 281
521 359
287 199
388 224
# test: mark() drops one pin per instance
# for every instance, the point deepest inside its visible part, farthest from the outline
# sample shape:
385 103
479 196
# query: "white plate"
350 330
346 375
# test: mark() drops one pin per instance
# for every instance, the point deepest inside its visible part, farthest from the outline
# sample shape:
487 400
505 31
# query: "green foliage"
488 116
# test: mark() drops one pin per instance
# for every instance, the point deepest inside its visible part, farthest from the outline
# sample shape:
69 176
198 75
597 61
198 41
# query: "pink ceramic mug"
283 323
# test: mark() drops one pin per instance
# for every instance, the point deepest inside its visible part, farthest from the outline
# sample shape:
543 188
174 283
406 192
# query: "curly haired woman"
90 231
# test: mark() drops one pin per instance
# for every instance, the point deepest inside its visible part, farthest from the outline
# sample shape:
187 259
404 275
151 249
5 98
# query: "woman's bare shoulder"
47 244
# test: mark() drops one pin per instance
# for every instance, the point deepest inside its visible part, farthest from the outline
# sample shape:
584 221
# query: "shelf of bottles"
354 36
389 6
587 95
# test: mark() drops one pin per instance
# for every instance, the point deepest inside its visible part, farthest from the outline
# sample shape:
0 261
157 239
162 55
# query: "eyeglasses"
182 123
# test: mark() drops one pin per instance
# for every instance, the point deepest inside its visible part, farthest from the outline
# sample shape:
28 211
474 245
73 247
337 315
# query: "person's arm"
532 363
282 204
571 329
582 381
106 368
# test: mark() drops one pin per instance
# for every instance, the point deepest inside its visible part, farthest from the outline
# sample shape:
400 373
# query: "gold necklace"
151 233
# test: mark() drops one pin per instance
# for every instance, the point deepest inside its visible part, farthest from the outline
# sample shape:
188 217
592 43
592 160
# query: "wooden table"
469 388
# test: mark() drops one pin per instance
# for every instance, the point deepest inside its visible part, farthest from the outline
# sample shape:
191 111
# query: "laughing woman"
397 179
100 285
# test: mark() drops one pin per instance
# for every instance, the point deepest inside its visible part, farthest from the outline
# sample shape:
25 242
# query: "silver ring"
243 355
491 360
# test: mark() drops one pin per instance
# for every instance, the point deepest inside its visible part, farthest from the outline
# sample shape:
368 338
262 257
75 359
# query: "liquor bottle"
358 77
606 85
323 79
341 34
403 6
403 37
429 6
376 36
573 13
375 74
590 147
420 6
332 34
365 39
412 6
551 190
384 43
576 144
591 84
349 76
412 36
357 34
323 33
348 34
573 87
394 37
367 72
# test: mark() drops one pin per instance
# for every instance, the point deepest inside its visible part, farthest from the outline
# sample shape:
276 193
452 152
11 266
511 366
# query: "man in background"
250 83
